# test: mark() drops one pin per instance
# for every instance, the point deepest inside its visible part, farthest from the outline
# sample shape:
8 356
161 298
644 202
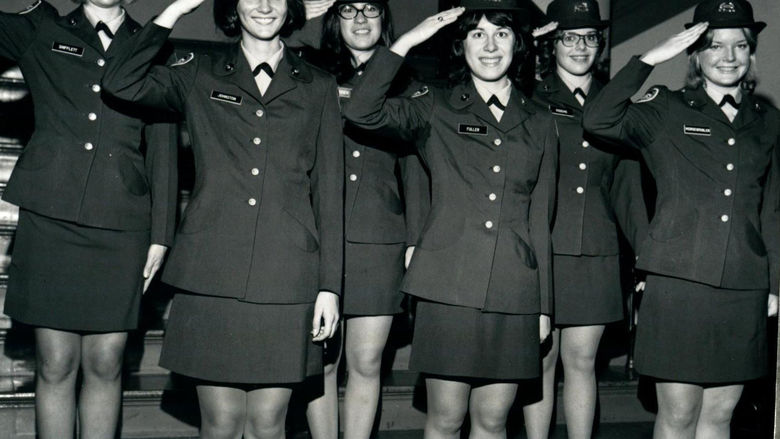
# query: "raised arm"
132 76
612 116
18 31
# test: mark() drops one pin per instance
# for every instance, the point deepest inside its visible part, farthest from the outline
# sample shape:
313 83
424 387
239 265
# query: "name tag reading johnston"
692 130
225 97
478 130
68 49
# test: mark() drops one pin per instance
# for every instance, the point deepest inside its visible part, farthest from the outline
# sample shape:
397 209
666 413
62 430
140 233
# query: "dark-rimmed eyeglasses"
348 12
570 39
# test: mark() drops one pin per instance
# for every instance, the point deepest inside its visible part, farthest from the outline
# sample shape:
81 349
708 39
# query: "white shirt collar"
272 60
93 16
584 86
503 94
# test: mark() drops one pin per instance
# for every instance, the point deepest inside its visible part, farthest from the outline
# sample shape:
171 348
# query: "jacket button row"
101 62
257 141
88 146
727 192
255 171
585 144
96 88
356 153
352 177
496 169
92 116
497 142
583 166
259 113
730 166
731 141
580 190
251 201
488 224
492 197
724 218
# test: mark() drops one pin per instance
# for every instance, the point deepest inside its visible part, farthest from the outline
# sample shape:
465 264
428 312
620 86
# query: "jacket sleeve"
541 217
327 179
628 201
371 109
162 169
417 195
18 31
132 75
770 220
611 116
310 35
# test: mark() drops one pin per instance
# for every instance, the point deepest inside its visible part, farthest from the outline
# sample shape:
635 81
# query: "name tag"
67 49
479 130
697 131
345 92
561 111
225 97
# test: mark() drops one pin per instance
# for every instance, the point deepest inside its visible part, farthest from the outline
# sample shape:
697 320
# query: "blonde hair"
695 78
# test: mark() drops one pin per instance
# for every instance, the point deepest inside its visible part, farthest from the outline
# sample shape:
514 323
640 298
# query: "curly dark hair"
695 78
517 72
226 17
339 59
545 53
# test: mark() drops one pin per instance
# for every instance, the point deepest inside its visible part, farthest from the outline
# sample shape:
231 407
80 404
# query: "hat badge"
581 7
727 7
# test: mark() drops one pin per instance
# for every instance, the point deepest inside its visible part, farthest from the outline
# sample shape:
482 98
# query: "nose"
580 43
490 44
360 17
730 55
264 5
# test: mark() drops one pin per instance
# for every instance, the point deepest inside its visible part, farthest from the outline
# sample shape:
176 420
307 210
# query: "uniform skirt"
587 290
71 277
465 342
695 333
372 277
225 340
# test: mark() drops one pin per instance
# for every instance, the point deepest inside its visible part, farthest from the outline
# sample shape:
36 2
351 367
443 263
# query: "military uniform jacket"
85 162
718 182
486 242
387 188
597 188
265 220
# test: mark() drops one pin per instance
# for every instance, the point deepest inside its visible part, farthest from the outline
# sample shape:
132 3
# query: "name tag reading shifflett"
692 130
67 49
561 111
225 97
478 130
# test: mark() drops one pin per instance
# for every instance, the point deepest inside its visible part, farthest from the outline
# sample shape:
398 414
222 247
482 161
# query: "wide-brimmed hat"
576 14
726 14
500 5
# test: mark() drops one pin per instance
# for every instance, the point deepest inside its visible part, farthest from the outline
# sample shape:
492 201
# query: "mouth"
490 61
727 69
365 31
264 21
580 58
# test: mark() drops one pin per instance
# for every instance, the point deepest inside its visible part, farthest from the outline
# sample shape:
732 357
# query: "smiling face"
578 59
727 59
488 50
361 33
262 19
105 3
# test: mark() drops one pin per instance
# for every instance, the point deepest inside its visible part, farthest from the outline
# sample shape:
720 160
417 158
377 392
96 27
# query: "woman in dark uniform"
386 192
596 189
482 267
713 250
97 205
258 257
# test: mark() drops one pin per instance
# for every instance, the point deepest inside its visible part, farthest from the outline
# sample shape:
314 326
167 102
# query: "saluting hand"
326 316
426 29
176 10
675 45
315 8
154 259
544 30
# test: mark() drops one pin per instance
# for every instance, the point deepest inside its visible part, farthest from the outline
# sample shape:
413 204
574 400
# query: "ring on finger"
439 18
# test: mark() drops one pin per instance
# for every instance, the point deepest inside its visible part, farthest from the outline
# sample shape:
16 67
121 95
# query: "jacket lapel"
77 24
750 111
290 71
234 68
128 28
517 110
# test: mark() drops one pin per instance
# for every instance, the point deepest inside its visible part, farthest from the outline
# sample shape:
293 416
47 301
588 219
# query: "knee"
365 362
680 416
104 365
579 360
718 412
56 367
489 419
267 420
446 421
222 424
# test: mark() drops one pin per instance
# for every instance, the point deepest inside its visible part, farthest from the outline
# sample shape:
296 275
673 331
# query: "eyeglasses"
570 39
348 12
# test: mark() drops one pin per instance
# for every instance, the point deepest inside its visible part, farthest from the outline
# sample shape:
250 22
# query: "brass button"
583 166
257 141
580 190
259 113
352 177
727 192
255 171
492 197
101 62
356 153
92 116
585 144
89 146
251 201
96 88
488 224
732 141
730 167
497 142
724 218
496 169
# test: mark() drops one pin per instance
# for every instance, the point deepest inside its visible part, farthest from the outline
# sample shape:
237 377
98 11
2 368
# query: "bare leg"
101 392
489 406
448 402
538 415
222 411
365 342
266 412
718 405
58 354
579 345
323 413
678 410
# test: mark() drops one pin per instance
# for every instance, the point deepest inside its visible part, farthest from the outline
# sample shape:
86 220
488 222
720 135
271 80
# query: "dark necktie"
728 99
578 92
100 26
265 67
494 101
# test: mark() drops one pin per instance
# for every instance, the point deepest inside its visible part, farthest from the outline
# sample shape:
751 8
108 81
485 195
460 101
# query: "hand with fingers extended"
326 316
154 260
544 30
674 45
425 30
315 8
772 305
545 327
176 10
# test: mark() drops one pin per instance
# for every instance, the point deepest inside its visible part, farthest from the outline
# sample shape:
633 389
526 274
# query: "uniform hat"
576 14
500 5
726 14
359 1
